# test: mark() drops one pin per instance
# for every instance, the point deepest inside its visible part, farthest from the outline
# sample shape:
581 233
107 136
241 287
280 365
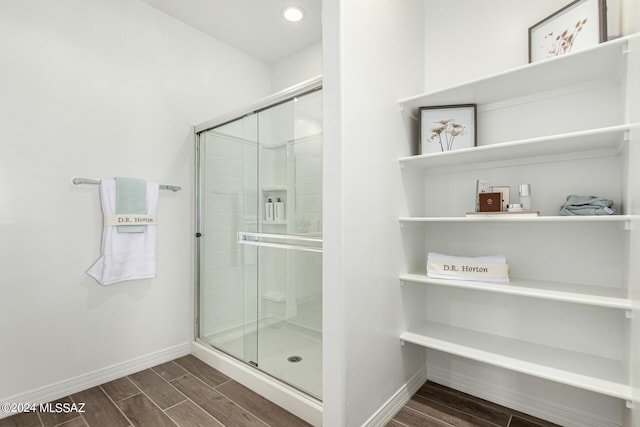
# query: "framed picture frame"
578 25
446 128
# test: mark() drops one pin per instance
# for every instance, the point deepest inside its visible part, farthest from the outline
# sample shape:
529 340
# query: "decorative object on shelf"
447 128
494 200
505 191
587 205
578 25
481 187
490 202
525 196
492 268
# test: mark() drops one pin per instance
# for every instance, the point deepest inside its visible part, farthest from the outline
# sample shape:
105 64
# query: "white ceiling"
253 26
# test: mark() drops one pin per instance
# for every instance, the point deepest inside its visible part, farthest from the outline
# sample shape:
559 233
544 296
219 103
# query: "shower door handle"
243 240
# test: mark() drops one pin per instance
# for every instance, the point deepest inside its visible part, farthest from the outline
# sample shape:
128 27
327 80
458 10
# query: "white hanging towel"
125 256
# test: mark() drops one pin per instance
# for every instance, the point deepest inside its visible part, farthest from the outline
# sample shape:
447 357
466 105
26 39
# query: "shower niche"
259 255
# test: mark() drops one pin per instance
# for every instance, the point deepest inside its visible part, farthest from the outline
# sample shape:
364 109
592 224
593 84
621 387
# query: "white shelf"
602 62
580 370
555 291
274 188
623 219
602 141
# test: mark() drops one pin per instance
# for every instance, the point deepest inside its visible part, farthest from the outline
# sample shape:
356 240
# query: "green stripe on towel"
131 198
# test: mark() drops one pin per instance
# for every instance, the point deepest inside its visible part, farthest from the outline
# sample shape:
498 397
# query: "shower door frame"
306 87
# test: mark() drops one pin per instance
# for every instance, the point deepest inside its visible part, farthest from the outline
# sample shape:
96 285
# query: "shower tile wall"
308 220
291 157
308 171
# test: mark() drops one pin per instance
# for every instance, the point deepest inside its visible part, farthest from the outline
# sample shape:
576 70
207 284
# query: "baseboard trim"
400 398
91 379
551 411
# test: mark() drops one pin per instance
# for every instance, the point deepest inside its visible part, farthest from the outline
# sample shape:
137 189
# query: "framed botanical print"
578 25
447 128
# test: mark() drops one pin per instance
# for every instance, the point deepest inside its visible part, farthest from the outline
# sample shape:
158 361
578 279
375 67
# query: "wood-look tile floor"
435 405
187 393
184 392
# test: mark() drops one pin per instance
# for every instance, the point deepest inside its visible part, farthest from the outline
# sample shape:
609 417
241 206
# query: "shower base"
288 397
288 352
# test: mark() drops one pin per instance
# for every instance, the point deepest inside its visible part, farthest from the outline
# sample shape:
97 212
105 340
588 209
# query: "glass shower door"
290 258
260 256
227 291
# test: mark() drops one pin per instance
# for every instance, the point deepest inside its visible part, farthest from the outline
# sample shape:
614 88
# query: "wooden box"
490 202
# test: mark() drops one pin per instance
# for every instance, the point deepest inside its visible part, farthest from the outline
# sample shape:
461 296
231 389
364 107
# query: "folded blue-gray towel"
587 205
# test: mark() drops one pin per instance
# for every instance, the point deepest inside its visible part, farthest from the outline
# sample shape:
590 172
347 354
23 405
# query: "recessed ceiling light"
293 13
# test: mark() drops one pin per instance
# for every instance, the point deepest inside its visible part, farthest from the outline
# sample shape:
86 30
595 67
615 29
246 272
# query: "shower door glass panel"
290 273
260 253
228 271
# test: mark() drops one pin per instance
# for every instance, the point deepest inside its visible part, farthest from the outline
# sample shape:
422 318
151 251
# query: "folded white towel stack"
478 269
125 256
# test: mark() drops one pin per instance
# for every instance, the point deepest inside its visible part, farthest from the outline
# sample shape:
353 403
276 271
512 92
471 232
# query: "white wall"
467 39
98 88
630 16
372 58
303 65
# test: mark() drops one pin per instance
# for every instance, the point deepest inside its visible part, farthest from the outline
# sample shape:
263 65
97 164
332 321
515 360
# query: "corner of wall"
297 68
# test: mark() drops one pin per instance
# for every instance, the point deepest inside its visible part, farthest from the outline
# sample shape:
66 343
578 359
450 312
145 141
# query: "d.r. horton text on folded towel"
479 269
127 219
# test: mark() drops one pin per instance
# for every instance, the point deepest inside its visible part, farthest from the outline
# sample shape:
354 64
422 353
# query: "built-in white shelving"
623 219
581 370
603 62
602 141
556 291
588 88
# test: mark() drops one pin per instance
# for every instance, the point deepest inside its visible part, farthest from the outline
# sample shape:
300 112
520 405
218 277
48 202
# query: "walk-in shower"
259 232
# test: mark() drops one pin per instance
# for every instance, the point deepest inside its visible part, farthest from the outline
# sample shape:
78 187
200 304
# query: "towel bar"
78 181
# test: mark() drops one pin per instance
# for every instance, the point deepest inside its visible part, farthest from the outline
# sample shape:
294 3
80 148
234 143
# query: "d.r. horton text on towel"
125 256
127 219
479 269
